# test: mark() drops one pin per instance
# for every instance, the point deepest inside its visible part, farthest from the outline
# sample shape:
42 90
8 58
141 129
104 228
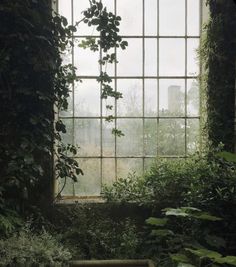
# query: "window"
157 75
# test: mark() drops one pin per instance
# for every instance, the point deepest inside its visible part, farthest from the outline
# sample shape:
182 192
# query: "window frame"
203 18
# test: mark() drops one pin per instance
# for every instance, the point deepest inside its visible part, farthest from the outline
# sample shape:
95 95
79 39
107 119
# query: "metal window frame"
143 77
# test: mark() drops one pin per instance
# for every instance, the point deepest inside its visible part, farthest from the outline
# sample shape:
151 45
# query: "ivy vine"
33 81
218 54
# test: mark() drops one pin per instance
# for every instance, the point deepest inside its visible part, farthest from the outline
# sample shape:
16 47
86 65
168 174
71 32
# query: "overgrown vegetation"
198 228
203 232
34 81
218 54
29 248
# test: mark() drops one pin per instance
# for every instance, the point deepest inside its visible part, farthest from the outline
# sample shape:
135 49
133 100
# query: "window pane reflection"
171 136
128 166
193 17
172 97
131 103
132 143
131 14
89 184
192 57
172 57
130 60
192 97
150 97
150 17
87 137
87 98
172 17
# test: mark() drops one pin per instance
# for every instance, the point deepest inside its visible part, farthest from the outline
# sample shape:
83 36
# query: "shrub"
204 181
26 248
185 236
91 234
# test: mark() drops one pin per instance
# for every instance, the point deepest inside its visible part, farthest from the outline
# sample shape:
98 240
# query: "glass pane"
172 17
150 64
150 137
87 98
150 17
131 103
193 17
172 97
108 171
87 137
68 186
67 138
128 166
130 59
64 9
192 135
83 28
150 97
172 57
86 61
89 184
131 15
108 139
171 137
67 55
132 143
193 64
109 4
193 97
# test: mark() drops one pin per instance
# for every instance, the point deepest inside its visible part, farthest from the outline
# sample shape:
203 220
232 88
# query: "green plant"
9 221
206 181
92 233
28 248
184 237
33 81
203 180
218 76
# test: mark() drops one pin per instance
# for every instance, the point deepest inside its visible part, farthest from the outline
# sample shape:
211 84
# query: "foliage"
206 181
107 24
218 80
183 237
33 81
90 234
9 221
26 248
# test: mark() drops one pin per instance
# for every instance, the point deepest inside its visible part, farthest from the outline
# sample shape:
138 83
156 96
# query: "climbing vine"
33 81
218 54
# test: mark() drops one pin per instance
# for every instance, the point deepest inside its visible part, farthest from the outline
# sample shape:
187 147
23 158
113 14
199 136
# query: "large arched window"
157 75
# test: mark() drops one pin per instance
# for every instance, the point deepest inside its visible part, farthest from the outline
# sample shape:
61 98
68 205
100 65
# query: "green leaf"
229 260
175 212
206 216
205 253
231 157
161 232
179 258
182 264
157 221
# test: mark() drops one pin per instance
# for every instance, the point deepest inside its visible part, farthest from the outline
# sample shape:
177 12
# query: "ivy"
33 82
218 54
